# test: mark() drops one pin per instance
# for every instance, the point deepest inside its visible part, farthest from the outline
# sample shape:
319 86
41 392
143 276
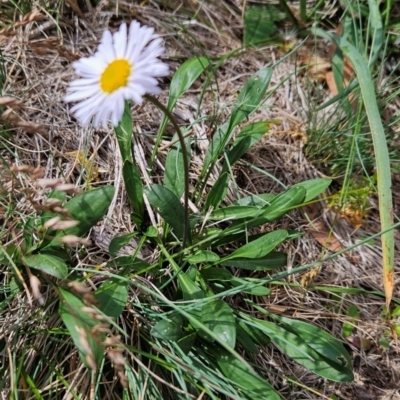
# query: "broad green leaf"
151 232
80 326
247 283
248 101
217 192
134 187
234 212
218 317
203 256
319 340
314 187
279 206
259 23
251 96
29 227
245 340
168 329
50 264
246 139
168 206
123 132
186 343
259 247
256 335
253 386
112 296
283 203
299 350
87 208
269 262
184 77
54 194
130 263
216 274
256 200
118 242
189 289
174 177
59 252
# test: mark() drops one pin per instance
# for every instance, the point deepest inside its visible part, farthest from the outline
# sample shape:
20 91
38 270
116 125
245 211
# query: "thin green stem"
186 233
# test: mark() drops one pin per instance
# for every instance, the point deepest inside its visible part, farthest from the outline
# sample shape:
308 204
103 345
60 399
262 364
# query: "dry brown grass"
37 53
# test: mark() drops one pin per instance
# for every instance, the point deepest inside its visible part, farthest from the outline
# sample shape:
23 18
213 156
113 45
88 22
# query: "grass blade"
381 156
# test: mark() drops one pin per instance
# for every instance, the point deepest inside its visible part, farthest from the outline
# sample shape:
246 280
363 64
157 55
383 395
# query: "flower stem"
186 232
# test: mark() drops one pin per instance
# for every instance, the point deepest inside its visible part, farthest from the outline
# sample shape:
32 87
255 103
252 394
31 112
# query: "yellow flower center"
115 75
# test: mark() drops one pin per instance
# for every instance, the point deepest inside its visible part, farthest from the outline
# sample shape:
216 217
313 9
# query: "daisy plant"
124 68
199 321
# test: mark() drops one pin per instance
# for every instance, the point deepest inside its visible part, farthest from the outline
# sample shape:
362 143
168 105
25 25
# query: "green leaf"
218 317
348 327
168 206
247 283
54 194
245 340
319 340
80 326
246 139
112 296
256 200
118 242
234 212
203 256
301 351
189 289
314 187
259 247
134 187
248 101
123 132
50 264
377 30
217 192
259 23
168 329
186 343
381 153
251 95
256 335
253 386
279 205
130 263
87 208
184 77
216 274
59 252
269 262
174 177
283 203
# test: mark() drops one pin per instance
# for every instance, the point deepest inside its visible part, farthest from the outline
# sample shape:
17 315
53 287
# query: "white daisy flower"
125 66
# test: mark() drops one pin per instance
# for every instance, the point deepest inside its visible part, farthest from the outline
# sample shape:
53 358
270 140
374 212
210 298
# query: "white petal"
120 41
80 95
83 82
138 43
